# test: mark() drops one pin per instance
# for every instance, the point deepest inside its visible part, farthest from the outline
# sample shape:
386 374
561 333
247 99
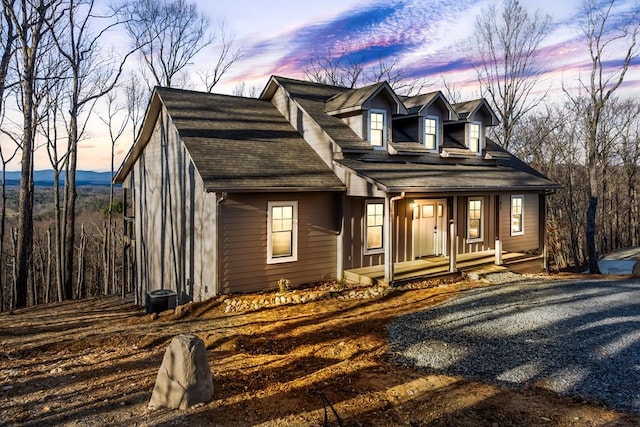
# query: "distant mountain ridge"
45 177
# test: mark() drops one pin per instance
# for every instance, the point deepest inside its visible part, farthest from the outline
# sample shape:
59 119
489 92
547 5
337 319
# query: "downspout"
217 276
389 206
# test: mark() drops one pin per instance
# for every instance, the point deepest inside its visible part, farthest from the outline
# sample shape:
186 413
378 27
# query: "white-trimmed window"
378 128
431 132
374 226
517 215
475 216
475 137
282 232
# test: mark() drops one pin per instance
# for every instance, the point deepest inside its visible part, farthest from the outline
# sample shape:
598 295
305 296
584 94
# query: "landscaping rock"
184 378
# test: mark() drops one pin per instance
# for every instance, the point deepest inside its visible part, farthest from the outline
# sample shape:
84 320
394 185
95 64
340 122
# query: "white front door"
429 227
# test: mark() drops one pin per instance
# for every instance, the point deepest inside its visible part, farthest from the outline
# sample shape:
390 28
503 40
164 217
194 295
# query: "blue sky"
430 37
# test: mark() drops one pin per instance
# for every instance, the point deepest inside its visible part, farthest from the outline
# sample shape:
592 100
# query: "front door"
429 227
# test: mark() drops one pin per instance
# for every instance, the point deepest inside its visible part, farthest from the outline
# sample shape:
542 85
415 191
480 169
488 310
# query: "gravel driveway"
578 338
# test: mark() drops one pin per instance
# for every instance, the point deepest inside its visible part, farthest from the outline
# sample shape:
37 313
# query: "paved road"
578 338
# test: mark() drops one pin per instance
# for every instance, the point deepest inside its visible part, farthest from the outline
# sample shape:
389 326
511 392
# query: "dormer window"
475 137
431 133
377 128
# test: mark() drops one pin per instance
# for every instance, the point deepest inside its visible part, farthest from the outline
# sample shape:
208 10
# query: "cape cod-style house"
312 182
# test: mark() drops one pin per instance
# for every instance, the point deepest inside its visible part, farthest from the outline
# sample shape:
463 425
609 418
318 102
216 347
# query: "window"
474 221
517 219
374 225
474 137
377 128
431 133
282 232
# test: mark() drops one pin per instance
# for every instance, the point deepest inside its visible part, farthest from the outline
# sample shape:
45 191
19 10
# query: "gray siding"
530 240
244 265
174 219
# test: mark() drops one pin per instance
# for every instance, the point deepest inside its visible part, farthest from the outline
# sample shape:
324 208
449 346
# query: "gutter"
217 276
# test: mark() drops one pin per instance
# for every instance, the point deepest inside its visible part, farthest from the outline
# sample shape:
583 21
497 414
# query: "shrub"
284 284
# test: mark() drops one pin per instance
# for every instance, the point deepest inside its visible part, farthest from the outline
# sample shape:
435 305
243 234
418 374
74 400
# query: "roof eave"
215 189
144 133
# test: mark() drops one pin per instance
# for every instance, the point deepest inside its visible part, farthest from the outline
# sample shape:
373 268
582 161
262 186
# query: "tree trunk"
70 208
591 235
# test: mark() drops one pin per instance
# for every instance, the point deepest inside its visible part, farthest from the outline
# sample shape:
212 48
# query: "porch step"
438 267
480 272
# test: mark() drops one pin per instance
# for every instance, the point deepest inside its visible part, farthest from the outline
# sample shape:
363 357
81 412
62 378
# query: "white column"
388 240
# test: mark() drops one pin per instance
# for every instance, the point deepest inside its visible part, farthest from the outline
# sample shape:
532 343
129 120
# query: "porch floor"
473 264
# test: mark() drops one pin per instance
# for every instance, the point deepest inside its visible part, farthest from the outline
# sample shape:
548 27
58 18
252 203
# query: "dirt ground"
94 362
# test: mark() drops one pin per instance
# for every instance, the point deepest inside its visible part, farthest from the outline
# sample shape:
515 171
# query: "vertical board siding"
530 240
172 218
244 265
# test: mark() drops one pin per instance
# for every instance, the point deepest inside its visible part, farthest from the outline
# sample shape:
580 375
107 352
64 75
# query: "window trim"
436 135
521 232
481 238
379 250
384 128
294 232
480 137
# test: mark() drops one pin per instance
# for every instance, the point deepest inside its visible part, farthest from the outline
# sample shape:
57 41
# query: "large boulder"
184 378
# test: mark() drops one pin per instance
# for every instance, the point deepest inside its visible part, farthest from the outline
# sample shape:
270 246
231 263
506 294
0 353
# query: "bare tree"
169 34
50 124
91 76
604 35
116 130
7 40
505 43
338 69
228 55
241 89
349 69
30 20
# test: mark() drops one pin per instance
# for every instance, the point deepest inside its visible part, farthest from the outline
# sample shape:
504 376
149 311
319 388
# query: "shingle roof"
432 173
463 109
415 103
312 98
429 177
244 143
351 99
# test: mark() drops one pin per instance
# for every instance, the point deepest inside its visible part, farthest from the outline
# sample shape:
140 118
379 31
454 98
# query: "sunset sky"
430 37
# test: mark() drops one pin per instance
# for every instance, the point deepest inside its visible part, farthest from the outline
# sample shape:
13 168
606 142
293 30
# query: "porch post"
498 247
453 247
340 246
542 229
388 240
453 235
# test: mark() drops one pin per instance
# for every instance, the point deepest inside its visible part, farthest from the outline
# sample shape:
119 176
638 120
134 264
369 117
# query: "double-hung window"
377 128
475 137
374 226
474 220
517 215
282 232
431 133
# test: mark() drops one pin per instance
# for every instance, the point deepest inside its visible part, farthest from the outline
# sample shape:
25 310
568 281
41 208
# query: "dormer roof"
468 109
357 99
416 104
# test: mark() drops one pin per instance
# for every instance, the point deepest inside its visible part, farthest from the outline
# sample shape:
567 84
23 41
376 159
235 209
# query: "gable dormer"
367 111
426 115
476 115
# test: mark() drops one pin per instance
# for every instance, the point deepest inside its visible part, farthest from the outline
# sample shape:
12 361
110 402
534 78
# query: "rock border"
240 303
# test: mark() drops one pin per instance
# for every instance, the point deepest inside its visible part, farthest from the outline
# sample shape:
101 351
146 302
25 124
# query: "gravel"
577 338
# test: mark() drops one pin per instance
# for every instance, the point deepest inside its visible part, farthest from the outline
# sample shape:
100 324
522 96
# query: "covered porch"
475 265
